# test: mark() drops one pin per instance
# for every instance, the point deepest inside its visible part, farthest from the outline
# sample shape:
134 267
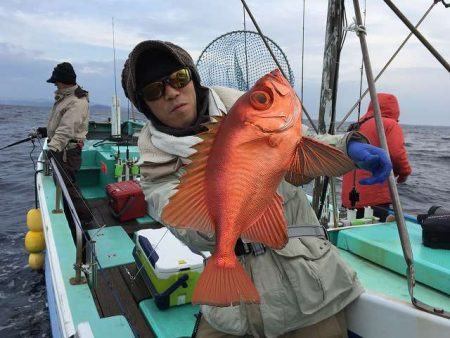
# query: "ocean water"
22 292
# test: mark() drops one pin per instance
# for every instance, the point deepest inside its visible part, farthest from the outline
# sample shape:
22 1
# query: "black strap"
198 317
295 231
242 248
127 206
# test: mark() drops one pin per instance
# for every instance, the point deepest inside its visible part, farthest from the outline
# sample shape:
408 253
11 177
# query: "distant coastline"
95 107
48 104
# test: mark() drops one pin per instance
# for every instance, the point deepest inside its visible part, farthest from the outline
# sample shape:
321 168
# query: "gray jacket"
300 285
68 120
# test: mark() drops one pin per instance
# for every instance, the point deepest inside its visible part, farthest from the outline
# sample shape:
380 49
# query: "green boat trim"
373 251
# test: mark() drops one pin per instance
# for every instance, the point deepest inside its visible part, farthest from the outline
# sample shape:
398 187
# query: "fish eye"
260 100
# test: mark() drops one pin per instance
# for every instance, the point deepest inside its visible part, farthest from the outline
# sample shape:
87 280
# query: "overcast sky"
35 36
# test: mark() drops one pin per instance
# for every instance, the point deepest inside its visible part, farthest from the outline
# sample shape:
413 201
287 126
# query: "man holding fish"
222 170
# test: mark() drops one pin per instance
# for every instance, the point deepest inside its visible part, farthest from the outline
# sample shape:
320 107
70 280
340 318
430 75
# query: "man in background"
378 196
66 130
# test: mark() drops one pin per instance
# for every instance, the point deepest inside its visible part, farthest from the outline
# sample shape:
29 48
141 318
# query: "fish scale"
230 187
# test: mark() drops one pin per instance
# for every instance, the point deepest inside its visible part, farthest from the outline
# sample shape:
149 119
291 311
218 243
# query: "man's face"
177 108
59 85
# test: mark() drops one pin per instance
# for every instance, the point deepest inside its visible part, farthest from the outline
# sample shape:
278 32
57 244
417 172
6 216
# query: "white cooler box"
170 268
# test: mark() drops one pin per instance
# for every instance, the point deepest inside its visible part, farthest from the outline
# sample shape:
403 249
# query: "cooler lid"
173 254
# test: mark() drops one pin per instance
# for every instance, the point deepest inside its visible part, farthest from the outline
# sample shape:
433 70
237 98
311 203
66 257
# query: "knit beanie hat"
151 60
63 73
153 65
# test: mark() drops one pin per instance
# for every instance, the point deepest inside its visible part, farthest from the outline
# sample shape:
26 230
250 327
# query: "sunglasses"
177 80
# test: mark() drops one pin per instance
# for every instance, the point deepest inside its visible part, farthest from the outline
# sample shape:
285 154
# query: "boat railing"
62 189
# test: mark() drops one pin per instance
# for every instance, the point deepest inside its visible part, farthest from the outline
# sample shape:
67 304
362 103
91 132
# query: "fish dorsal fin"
271 228
313 159
188 207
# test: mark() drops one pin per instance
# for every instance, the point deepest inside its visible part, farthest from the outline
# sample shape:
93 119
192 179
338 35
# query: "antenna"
114 53
115 108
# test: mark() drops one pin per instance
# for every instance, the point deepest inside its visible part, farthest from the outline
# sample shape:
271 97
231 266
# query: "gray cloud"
81 32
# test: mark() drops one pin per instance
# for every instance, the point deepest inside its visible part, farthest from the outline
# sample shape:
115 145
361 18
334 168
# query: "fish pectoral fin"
313 159
188 207
271 228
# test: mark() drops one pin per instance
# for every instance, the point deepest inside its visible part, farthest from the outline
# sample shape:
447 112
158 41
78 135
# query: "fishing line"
148 256
116 296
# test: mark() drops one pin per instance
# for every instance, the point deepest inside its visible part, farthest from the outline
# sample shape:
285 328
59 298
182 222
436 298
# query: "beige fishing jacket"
300 285
68 120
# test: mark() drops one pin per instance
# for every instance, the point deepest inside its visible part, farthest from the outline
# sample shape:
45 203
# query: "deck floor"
117 294
120 289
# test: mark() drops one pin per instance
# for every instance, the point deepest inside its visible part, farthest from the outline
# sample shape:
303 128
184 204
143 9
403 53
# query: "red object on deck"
126 200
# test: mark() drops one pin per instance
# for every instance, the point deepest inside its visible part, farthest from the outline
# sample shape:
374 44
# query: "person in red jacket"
377 196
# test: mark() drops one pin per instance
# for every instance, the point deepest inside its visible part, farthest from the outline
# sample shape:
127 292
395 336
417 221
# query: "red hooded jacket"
370 195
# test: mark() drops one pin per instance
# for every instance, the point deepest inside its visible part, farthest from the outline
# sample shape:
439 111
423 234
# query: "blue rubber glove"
372 159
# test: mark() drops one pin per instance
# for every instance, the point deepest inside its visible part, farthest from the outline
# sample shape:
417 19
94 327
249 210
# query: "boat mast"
327 109
115 107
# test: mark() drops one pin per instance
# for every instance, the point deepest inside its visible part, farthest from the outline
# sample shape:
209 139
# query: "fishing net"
238 59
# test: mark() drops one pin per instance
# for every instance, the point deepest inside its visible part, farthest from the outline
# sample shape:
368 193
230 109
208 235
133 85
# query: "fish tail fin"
224 286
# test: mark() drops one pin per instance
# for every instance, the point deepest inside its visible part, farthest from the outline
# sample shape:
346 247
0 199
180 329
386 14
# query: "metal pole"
46 164
418 35
78 261
382 138
335 207
404 237
328 90
385 67
57 209
93 264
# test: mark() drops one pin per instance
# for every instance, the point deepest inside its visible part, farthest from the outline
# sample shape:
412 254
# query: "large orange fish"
230 187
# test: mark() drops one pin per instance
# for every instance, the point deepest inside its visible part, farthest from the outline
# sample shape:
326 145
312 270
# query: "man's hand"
39 132
372 159
42 131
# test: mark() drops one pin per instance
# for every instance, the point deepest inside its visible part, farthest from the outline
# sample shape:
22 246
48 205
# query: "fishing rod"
30 137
